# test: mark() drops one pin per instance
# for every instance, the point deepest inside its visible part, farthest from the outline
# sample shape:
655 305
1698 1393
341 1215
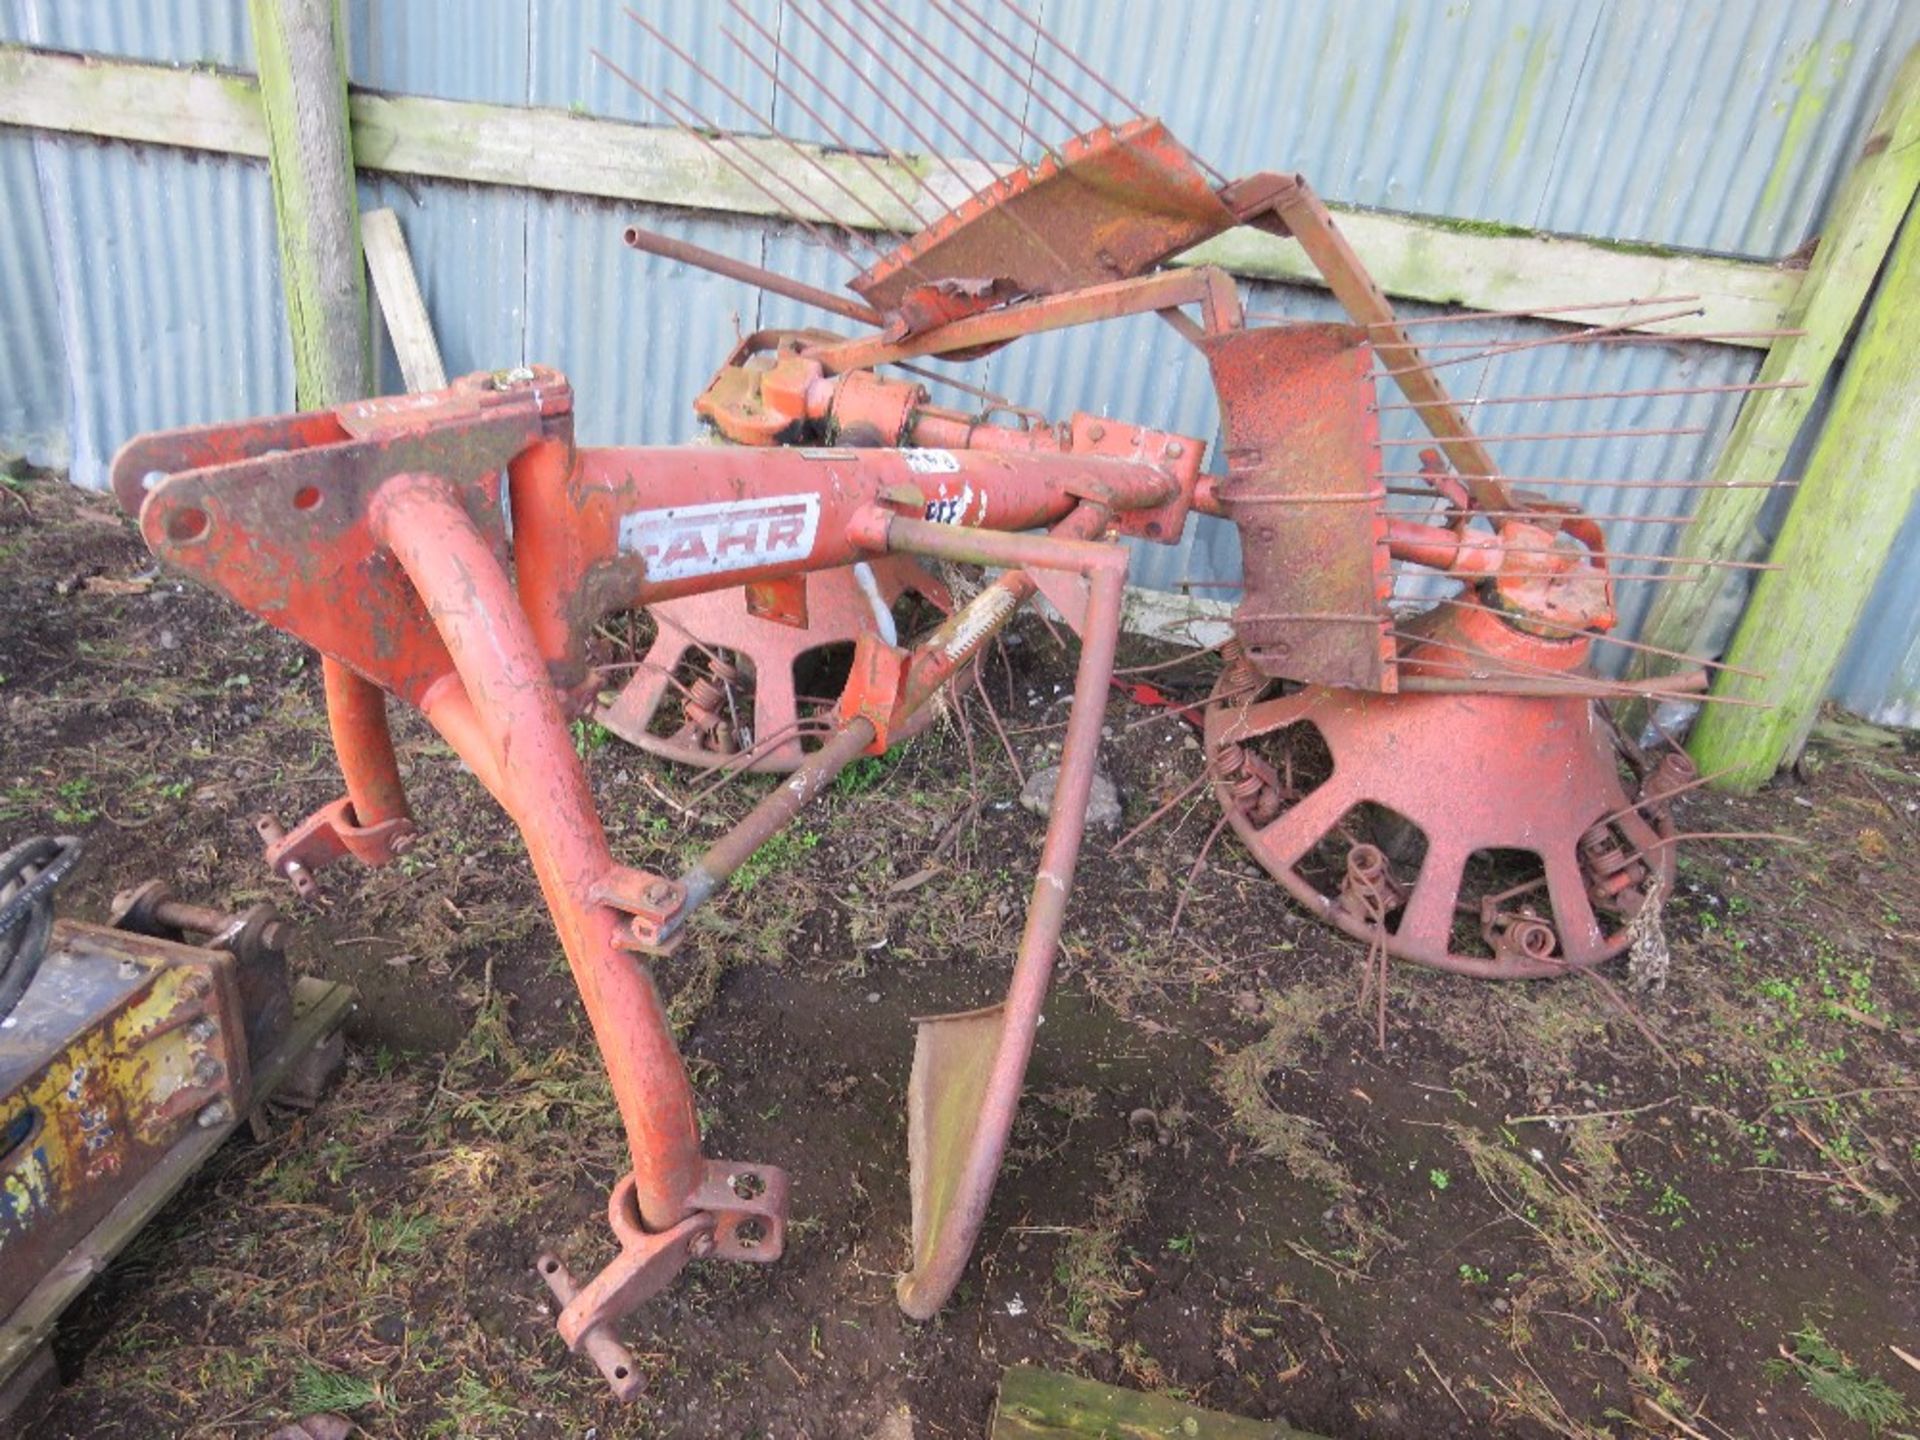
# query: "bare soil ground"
1523 1218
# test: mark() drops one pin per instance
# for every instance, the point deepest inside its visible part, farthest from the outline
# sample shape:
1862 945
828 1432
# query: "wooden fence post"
1860 226
1859 485
301 50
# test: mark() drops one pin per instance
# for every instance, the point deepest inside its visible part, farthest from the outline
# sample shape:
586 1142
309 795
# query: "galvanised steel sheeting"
176 32
33 393
166 277
1880 677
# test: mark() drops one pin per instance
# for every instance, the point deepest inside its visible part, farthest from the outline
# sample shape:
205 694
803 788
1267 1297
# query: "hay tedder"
456 551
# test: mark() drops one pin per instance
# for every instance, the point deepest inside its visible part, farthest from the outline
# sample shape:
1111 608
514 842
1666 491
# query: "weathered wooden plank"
1036 1403
1859 229
131 100
301 49
555 150
1860 483
401 304
1442 262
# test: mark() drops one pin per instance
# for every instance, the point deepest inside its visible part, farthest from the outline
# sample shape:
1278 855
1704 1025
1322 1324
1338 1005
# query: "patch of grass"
1593 1259
1833 1380
1094 1278
73 802
317 1390
783 852
1294 1025
867 772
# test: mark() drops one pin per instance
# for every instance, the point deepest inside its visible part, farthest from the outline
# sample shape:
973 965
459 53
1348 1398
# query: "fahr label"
683 542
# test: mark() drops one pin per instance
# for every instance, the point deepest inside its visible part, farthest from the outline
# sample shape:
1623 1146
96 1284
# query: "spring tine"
1019 120
1657 392
789 142
1626 517
1578 337
1087 70
1011 215
787 54
1567 480
932 72
1637 646
1629 337
1426 441
839 141
907 87
1696 562
1472 315
1032 91
1053 77
800 14
703 123
780 205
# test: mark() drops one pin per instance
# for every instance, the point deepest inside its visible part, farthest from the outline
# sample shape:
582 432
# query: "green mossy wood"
1040 1403
1859 486
1860 227
300 48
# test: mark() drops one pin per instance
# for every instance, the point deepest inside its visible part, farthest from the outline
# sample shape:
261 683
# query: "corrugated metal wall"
142 289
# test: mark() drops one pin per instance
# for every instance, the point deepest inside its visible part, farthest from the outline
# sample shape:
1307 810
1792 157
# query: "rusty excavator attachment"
1408 730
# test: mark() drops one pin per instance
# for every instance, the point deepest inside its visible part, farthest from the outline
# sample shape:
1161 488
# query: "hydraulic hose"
28 874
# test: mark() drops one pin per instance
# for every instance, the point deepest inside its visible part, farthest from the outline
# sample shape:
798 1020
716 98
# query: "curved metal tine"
788 141
1654 392
1020 224
781 206
1093 75
1019 121
1579 484
934 151
879 22
1254 718
799 13
1062 86
786 53
839 140
1468 317
1579 337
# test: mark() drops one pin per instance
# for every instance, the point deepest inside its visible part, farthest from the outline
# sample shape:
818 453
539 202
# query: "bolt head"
1096 432
218 1113
660 892
1175 449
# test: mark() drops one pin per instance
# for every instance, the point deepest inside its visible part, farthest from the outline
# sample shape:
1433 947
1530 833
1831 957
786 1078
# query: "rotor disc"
1490 835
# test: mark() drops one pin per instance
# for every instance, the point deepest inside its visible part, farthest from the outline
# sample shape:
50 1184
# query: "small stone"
1103 802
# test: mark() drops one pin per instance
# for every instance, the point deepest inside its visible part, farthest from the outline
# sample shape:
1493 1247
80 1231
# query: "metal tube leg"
940 1262
357 715
541 782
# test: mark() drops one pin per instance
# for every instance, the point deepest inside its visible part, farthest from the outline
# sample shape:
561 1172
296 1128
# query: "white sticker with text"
683 542
931 462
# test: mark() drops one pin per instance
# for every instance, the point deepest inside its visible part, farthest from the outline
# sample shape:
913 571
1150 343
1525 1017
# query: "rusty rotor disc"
1443 784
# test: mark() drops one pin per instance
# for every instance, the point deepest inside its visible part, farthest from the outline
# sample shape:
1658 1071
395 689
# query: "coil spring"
1230 768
